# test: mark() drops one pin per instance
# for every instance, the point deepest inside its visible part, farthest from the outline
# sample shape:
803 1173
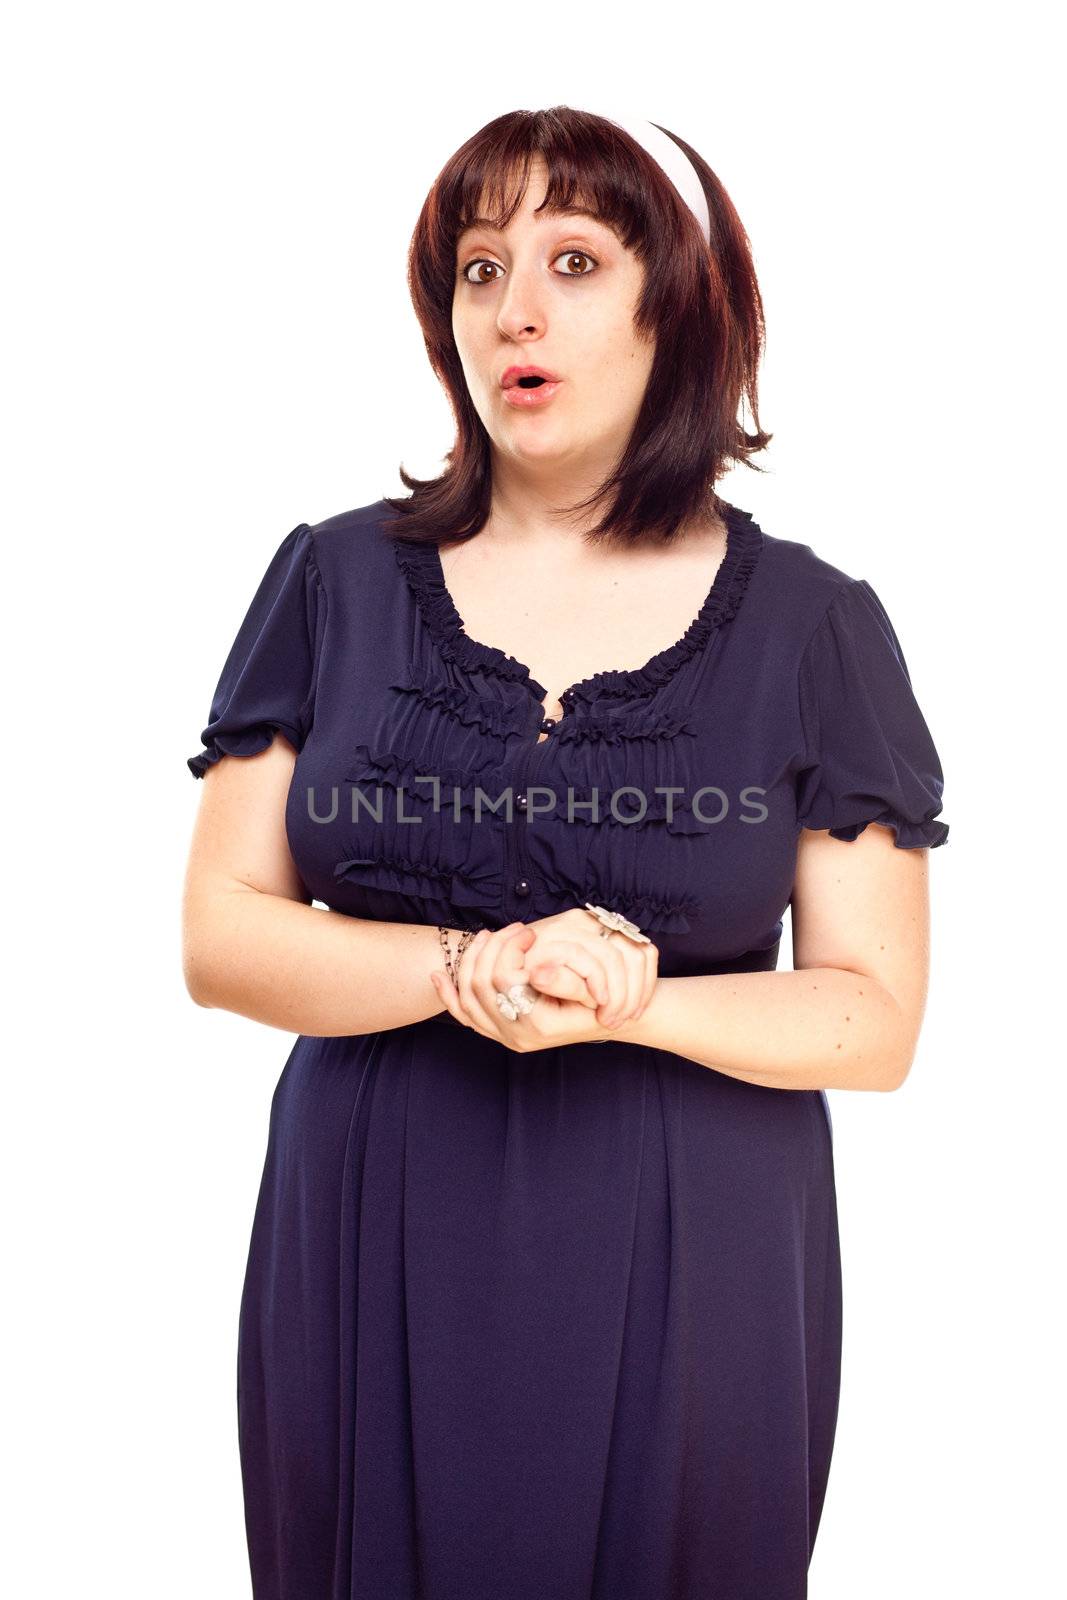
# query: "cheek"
465 337
621 380
472 377
635 372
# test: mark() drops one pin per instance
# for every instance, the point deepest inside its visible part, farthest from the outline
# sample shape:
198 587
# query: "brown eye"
479 279
575 255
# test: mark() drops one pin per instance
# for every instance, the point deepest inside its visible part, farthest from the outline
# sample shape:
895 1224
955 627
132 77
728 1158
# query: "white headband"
674 161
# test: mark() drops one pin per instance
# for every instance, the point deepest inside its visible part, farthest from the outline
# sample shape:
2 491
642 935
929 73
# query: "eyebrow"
545 211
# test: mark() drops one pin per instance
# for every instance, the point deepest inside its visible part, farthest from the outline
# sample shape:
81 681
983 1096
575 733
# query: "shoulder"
798 587
351 545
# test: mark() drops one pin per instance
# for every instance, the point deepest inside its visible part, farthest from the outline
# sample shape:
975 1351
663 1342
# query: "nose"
521 309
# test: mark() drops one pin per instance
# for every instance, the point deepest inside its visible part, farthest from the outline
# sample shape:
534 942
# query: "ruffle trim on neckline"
421 565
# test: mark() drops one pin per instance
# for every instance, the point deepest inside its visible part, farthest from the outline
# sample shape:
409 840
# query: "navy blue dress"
563 1325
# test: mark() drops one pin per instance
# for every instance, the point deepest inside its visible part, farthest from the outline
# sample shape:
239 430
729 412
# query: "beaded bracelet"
465 938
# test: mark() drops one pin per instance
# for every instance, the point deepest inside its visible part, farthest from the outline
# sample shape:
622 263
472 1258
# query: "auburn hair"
701 303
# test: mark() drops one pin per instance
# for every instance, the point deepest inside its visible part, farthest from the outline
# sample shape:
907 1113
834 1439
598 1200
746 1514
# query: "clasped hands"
588 987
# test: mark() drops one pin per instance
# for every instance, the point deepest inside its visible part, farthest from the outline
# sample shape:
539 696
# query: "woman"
523 1317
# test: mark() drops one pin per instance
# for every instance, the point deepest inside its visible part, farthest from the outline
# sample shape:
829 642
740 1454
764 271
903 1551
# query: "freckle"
839 1047
848 1019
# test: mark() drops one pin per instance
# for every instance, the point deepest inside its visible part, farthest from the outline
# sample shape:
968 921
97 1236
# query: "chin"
535 444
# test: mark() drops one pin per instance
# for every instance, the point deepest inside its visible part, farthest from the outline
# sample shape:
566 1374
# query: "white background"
208 340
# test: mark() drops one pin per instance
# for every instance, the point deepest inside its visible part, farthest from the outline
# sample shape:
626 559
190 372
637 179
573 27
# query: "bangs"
594 176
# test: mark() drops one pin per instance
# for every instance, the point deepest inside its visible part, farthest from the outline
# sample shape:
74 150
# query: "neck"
529 518
549 539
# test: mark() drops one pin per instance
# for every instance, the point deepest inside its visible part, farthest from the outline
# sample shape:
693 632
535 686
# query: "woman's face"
560 293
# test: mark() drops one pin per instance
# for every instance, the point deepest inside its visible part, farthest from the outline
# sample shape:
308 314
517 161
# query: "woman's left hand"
492 962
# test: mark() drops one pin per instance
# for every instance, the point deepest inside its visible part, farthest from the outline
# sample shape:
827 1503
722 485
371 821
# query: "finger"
611 988
651 955
509 964
479 996
632 956
602 970
552 968
635 979
469 984
472 1011
497 973
508 968
503 969
615 966
555 978
545 969
646 976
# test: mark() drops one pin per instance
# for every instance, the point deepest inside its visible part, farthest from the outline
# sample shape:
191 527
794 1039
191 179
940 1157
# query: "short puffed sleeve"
269 678
869 756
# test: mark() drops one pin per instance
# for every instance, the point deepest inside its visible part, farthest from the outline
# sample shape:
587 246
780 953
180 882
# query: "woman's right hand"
570 960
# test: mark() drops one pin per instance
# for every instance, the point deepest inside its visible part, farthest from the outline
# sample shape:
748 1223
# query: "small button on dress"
562 1323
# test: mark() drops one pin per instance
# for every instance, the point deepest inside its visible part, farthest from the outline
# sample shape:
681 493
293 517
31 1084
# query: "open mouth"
529 389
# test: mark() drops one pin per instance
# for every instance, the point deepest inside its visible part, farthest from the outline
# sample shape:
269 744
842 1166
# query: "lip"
511 375
529 399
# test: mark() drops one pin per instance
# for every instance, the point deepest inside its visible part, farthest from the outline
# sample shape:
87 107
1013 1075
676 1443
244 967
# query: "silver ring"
615 922
518 1001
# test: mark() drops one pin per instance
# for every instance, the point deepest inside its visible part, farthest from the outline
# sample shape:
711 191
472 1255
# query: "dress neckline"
420 562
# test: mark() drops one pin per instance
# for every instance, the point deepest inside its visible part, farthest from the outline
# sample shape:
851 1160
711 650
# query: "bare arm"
253 943
849 1016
